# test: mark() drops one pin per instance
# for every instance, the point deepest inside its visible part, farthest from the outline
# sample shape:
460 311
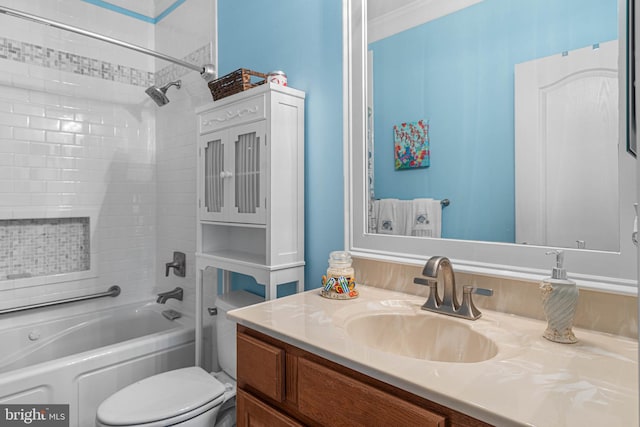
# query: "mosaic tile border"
29 53
173 72
44 246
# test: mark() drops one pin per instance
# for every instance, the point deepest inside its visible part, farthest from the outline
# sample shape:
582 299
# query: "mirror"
513 115
516 113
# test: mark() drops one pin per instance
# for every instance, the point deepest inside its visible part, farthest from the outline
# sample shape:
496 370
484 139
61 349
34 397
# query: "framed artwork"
411 145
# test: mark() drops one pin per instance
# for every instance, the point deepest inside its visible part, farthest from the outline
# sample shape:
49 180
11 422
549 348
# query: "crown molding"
413 14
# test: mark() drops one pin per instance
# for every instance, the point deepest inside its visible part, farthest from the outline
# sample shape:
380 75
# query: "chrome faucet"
178 264
449 303
177 293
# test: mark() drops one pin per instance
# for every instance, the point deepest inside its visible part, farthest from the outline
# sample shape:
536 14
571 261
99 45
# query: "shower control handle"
178 264
226 174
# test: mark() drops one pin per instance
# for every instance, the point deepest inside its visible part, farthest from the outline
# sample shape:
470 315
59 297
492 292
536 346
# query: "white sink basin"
422 336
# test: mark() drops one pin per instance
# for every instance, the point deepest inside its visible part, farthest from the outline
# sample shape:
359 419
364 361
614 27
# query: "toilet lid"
163 396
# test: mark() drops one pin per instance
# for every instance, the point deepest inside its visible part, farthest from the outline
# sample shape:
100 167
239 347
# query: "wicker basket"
234 82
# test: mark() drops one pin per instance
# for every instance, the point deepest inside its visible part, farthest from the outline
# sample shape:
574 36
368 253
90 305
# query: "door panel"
566 129
213 162
248 181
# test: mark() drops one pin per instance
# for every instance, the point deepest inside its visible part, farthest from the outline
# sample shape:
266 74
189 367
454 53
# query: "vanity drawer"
252 413
261 366
321 390
245 111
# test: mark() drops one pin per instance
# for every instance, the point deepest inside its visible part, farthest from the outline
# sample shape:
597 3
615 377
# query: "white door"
566 152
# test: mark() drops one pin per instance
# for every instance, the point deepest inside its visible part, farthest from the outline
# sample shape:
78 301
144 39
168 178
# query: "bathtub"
82 359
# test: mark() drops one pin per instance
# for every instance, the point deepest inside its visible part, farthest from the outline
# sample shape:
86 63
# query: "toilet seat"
167 398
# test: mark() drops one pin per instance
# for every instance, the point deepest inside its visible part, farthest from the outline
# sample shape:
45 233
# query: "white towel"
385 213
404 224
426 218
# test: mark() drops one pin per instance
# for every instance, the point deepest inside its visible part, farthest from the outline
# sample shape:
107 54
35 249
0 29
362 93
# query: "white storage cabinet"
251 186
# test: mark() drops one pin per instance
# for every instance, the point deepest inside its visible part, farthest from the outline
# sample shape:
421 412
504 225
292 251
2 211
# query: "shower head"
159 94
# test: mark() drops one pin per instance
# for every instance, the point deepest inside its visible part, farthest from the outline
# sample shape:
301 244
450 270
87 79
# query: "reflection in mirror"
477 136
509 110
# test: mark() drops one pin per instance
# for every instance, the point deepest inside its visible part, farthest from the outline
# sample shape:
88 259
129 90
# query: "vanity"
299 384
308 360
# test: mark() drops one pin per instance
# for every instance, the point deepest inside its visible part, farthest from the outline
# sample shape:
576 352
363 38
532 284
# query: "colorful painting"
411 145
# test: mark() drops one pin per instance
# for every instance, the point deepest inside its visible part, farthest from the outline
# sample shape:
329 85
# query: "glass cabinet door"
247 183
249 158
233 164
213 175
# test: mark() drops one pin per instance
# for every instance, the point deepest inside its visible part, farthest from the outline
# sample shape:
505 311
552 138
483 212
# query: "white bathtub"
80 360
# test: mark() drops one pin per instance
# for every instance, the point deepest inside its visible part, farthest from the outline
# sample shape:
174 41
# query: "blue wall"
457 72
303 38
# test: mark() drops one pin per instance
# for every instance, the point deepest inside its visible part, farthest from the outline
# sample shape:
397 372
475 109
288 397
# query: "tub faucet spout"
177 293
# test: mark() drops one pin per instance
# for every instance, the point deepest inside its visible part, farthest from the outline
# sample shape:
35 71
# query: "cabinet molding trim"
232 115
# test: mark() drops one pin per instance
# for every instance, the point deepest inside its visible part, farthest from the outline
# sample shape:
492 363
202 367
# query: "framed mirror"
491 132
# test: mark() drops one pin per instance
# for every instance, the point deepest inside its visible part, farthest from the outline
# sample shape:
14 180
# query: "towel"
426 218
385 214
404 224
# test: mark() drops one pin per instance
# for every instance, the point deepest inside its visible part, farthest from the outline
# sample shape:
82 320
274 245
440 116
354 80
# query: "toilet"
187 397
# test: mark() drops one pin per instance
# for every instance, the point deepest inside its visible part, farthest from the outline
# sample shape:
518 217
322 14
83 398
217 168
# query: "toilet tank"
226 328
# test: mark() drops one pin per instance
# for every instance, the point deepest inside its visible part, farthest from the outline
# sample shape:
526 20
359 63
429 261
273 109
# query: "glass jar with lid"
340 278
340 265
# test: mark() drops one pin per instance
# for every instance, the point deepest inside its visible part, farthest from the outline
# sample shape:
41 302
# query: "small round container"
340 281
278 77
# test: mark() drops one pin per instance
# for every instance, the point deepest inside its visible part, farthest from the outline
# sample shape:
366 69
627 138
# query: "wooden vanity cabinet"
282 385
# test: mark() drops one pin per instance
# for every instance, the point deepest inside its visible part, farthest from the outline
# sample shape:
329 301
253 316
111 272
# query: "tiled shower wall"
66 153
78 135
190 33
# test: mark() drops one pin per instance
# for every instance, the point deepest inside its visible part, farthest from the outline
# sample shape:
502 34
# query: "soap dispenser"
559 300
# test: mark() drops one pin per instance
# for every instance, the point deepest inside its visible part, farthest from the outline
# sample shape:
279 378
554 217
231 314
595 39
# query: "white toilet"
187 397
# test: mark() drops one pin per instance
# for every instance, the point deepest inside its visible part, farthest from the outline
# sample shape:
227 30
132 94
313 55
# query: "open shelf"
235 242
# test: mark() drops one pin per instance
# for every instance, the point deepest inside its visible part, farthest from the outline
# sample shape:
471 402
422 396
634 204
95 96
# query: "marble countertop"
530 381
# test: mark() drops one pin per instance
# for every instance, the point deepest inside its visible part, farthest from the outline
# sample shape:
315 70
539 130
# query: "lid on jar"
340 258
